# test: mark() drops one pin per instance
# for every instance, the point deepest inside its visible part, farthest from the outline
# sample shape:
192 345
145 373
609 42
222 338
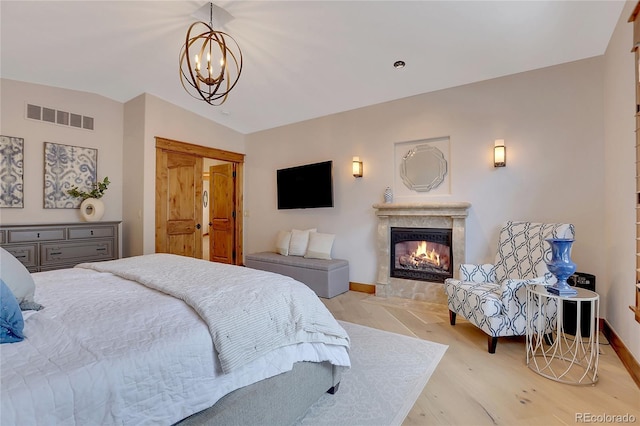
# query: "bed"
165 339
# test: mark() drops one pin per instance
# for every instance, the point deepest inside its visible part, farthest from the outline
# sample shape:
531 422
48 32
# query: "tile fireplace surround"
418 215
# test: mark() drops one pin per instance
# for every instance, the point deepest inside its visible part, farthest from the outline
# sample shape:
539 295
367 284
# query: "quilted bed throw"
248 312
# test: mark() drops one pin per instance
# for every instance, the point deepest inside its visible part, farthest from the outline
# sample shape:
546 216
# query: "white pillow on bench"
319 246
299 241
282 242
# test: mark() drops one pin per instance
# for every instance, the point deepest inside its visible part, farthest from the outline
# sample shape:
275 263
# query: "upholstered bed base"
279 400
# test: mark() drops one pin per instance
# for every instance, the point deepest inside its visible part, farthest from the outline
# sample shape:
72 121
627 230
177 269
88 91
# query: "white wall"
133 174
551 120
617 287
106 138
162 119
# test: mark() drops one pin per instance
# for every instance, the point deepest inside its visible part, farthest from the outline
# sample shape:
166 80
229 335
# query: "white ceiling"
302 59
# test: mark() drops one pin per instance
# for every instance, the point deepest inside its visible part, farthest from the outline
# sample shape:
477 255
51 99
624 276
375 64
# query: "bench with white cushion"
326 277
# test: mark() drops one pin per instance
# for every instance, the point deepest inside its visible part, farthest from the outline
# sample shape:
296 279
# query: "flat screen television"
305 187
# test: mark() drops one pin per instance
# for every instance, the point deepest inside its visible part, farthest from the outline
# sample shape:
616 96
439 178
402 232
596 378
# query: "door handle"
210 224
198 226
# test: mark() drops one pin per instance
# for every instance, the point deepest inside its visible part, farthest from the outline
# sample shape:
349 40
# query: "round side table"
559 351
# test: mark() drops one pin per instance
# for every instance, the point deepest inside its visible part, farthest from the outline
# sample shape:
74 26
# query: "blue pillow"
11 322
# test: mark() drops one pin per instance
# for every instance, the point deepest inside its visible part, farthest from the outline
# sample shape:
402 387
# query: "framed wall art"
66 166
11 172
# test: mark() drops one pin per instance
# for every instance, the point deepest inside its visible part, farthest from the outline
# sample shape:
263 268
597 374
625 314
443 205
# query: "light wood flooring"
472 387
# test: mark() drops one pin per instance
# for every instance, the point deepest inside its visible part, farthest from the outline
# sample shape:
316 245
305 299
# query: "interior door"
222 213
178 201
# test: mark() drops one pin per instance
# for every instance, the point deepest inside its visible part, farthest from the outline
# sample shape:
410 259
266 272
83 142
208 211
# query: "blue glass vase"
561 266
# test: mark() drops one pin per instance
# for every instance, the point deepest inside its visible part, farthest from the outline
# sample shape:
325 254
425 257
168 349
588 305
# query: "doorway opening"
180 197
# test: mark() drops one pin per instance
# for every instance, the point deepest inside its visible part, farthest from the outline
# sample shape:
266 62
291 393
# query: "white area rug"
388 373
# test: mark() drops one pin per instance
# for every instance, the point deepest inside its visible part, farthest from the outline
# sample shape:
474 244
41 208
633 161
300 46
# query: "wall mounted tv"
305 187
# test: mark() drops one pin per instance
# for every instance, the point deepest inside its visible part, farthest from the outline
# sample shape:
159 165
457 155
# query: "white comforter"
249 312
108 351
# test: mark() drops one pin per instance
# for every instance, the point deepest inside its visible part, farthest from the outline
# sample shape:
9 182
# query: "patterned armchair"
493 297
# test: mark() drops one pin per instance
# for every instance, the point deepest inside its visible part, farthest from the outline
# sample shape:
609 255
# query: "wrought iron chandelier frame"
213 84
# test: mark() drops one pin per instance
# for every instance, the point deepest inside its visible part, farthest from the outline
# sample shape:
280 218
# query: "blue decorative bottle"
561 266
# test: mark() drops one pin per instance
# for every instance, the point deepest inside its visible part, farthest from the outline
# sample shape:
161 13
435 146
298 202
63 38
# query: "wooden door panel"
179 193
222 230
181 244
180 227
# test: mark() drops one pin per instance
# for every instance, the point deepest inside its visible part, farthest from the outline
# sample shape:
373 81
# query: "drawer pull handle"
38 235
53 253
101 249
92 232
20 256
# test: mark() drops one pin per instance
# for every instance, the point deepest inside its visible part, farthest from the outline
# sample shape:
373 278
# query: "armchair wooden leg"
492 342
452 317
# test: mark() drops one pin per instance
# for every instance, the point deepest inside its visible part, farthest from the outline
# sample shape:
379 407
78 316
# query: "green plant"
98 190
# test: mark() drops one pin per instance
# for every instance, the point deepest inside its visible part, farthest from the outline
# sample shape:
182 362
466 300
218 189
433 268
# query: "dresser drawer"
3 239
92 232
76 252
24 235
26 254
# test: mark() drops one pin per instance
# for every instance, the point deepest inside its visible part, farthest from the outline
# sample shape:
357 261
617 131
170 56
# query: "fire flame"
423 252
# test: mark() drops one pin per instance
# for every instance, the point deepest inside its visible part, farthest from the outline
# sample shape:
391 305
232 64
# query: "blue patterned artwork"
11 171
67 166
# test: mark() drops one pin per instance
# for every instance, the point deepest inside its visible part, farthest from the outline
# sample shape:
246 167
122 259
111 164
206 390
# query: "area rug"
388 372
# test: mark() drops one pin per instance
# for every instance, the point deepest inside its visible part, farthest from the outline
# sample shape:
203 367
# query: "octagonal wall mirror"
423 168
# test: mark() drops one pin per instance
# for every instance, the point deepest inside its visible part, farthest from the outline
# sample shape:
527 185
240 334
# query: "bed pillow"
11 321
19 281
299 241
282 242
319 246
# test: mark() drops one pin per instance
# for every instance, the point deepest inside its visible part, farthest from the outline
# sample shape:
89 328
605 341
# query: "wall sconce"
499 153
357 167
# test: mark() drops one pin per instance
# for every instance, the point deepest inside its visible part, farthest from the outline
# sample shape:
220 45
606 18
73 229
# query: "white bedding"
249 312
106 350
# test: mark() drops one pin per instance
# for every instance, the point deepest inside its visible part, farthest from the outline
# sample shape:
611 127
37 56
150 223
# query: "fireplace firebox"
424 254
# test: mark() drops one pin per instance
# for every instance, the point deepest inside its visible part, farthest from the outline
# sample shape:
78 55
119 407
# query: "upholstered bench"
327 278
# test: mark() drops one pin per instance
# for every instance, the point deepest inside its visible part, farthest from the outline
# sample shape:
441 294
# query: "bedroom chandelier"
210 81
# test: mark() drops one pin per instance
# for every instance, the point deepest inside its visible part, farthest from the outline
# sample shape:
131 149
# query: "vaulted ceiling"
302 59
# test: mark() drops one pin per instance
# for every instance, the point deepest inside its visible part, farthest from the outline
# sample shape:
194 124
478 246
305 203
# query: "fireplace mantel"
453 209
446 215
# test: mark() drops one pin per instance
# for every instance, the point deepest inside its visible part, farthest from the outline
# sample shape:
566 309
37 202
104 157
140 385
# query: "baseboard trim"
629 362
362 288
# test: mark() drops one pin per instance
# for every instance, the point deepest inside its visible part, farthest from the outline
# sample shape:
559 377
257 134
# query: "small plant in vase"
91 208
97 192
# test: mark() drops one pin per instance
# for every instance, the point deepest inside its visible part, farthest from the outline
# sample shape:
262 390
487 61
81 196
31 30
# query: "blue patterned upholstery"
493 297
